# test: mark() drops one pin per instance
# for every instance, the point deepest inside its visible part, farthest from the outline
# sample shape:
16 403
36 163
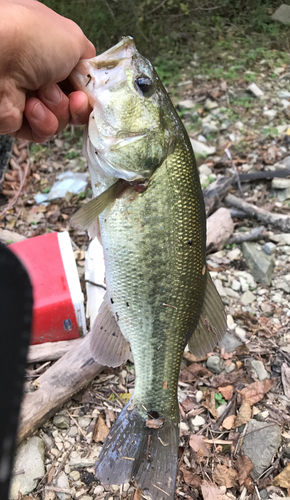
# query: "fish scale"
165 269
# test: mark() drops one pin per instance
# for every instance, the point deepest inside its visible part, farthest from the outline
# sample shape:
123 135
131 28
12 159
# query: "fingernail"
53 94
38 112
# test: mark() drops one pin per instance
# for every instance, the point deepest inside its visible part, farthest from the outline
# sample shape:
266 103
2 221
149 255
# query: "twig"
228 153
77 424
256 234
16 196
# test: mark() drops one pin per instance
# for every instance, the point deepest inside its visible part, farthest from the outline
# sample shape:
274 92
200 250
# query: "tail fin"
133 450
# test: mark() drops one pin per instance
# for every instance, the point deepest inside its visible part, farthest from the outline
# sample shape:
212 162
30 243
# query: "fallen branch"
280 221
51 351
215 192
67 376
258 233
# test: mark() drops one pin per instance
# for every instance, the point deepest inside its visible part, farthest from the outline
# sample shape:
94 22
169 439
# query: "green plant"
219 399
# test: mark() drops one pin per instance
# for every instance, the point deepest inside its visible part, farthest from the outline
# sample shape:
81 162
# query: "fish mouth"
91 74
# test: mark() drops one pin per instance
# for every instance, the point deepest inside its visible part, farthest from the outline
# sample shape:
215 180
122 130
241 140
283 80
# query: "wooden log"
220 227
51 351
215 192
257 233
67 376
280 221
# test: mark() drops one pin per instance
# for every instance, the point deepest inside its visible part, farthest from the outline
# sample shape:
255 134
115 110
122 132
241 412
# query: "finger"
89 50
42 122
79 108
57 102
11 112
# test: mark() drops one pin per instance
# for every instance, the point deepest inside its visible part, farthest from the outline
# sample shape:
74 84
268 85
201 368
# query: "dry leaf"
256 391
285 374
244 415
188 405
194 371
224 476
229 422
198 445
244 466
283 479
138 493
210 402
101 431
211 492
190 478
227 392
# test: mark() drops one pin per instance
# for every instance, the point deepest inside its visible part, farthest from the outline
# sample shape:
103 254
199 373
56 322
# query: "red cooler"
58 312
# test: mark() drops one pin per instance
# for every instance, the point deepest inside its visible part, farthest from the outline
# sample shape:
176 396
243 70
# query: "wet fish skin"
154 246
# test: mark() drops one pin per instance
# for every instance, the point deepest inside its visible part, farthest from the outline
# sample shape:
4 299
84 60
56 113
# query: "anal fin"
108 345
212 323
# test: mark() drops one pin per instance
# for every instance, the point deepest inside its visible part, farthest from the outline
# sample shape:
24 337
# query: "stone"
205 170
220 288
283 94
198 396
73 431
236 285
229 342
260 264
269 248
215 364
282 14
270 113
280 183
61 421
281 239
48 441
231 368
186 104
62 482
197 421
76 461
231 293
241 332
209 128
247 298
201 149
75 475
84 422
99 489
209 105
260 369
30 459
234 254
255 90
260 444
221 409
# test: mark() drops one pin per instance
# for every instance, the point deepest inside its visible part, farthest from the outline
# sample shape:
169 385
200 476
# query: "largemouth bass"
152 223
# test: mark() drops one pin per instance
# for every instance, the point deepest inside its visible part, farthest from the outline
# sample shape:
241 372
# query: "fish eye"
144 84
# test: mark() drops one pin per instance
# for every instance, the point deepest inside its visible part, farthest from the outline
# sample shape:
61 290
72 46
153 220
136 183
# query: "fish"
148 210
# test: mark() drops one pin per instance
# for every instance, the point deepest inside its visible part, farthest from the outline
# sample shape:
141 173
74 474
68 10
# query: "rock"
283 94
48 441
186 104
221 409
201 149
229 342
247 298
76 461
269 248
73 431
210 128
234 254
197 421
61 421
254 89
205 170
270 113
30 459
259 369
282 14
84 422
260 444
62 482
260 264
209 105
220 288
198 396
231 368
99 489
231 293
241 332
75 475
280 183
236 285
281 239
215 364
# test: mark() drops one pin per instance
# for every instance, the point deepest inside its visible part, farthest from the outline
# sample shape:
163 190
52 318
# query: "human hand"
39 49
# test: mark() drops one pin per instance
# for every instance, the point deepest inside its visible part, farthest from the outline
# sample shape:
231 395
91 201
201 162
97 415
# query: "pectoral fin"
212 324
86 215
108 345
